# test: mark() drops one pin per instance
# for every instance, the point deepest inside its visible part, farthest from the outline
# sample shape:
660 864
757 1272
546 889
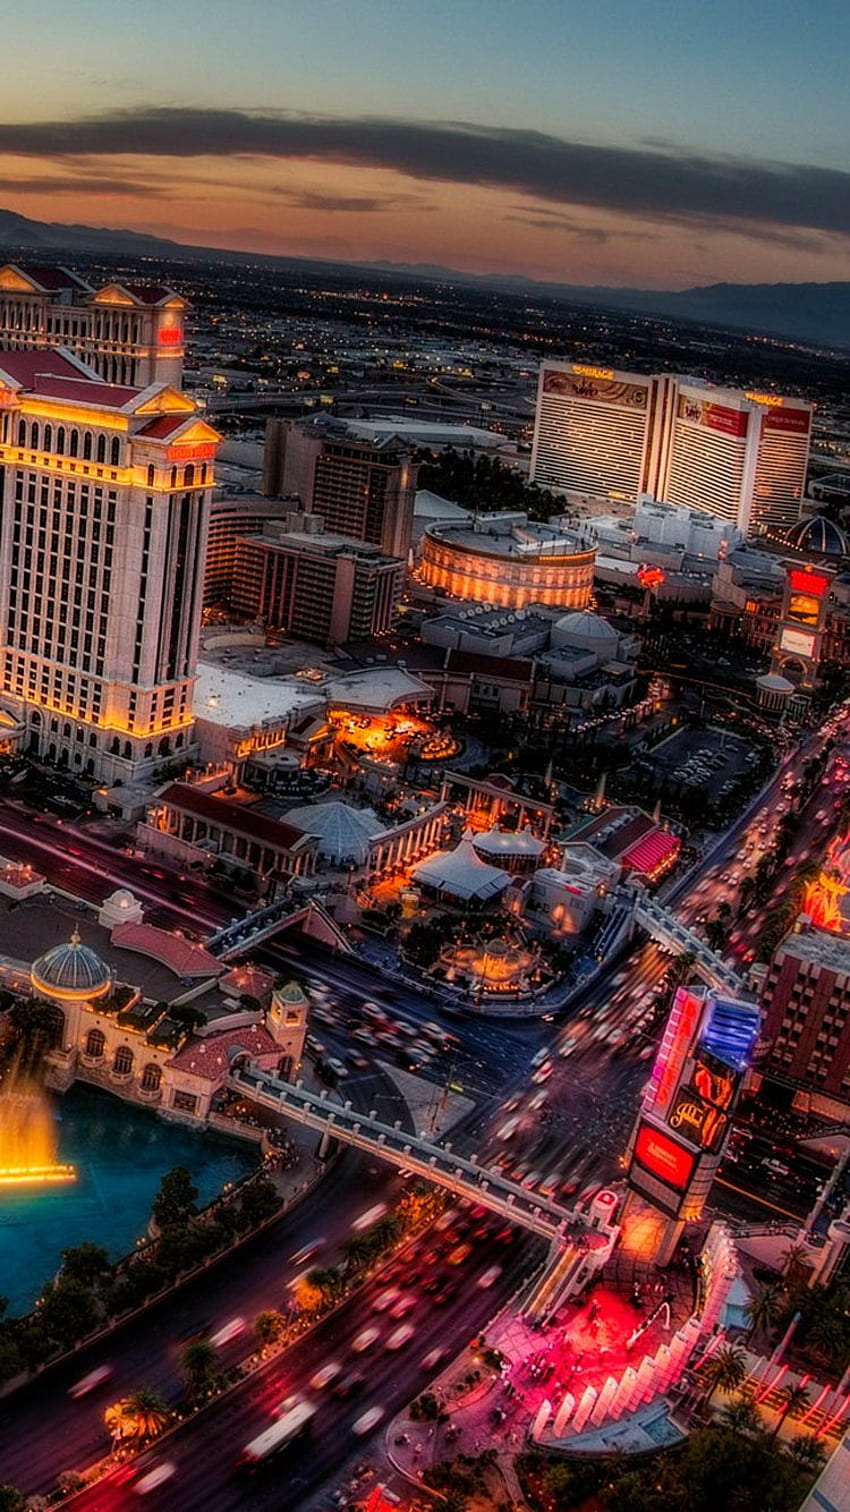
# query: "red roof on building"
52 278
655 849
238 817
210 1058
184 957
164 426
150 294
81 390
25 367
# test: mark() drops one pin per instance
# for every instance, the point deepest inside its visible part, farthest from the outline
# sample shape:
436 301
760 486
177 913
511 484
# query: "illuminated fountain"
493 967
28 1134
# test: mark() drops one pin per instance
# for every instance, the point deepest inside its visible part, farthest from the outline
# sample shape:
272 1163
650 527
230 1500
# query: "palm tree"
268 1326
807 1452
328 1279
384 1233
762 1310
199 1360
726 1369
795 1399
141 1415
358 1250
742 1416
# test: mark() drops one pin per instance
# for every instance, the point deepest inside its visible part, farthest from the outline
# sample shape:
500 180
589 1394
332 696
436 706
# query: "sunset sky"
658 144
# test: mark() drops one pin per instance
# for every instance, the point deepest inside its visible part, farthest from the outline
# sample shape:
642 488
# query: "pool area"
120 1153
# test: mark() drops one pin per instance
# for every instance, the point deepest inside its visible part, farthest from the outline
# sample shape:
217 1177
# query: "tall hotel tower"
742 456
105 492
592 431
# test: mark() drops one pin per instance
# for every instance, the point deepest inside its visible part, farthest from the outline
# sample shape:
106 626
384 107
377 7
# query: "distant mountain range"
815 313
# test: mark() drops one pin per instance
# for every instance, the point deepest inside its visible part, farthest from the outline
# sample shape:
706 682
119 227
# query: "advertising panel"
718 417
663 1157
598 384
696 1120
797 643
794 422
802 580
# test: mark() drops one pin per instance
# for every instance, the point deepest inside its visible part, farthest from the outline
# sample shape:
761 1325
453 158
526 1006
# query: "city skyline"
546 144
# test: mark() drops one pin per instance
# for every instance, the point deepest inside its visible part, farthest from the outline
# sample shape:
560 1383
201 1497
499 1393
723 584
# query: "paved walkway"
589 1340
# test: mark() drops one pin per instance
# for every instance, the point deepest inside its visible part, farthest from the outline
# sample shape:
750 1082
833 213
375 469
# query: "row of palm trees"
726 1371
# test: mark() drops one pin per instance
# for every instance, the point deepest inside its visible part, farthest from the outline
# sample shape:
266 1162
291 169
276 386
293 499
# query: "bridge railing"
437 1162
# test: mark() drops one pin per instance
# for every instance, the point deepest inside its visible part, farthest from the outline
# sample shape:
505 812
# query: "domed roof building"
820 536
587 630
71 973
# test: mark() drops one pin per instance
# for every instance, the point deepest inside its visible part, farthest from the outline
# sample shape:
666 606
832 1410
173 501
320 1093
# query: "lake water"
120 1153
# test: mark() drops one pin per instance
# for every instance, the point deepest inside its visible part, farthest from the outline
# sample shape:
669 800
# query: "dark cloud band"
641 181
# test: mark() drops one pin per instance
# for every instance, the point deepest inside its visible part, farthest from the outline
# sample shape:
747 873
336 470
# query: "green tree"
763 1309
11 1500
199 1362
742 1416
175 1201
260 1200
808 1452
328 1279
68 1310
725 1370
87 1263
358 1251
794 1399
269 1326
141 1415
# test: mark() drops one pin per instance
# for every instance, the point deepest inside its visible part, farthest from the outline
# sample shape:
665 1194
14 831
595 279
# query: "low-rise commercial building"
510 561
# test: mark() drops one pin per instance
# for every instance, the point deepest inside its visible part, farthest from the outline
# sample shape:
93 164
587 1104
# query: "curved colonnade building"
510 562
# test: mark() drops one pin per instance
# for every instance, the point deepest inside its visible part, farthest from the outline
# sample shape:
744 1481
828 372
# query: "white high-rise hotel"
611 435
105 491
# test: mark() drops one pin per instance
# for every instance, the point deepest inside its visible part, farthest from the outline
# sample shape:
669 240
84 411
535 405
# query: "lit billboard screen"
663 1157
696 1120
597 384
797 643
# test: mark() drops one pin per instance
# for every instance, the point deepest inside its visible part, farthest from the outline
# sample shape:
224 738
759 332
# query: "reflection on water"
120 1152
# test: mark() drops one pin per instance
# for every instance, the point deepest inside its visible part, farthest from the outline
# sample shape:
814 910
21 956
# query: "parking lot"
710 761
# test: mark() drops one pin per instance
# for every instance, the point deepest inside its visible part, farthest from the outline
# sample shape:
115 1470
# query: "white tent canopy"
462 874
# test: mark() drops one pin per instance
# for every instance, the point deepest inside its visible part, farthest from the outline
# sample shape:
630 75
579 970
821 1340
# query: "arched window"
73 443
22 432
174 477
189 475
34 436
114 452
128 751
101 449
87 444
151 1077
54 1026
151 474
48 437
60 439
148 749
95 1043
115 748
122 1065
164 746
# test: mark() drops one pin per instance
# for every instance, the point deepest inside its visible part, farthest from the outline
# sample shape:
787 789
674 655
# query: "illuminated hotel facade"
128 333
105 498
509 562
606 434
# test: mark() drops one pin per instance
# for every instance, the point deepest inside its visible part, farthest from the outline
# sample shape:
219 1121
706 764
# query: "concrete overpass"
284 913
663 925
435 1162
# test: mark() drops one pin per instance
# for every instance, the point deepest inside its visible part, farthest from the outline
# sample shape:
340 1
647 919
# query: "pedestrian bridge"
284 913
435 1162
665 926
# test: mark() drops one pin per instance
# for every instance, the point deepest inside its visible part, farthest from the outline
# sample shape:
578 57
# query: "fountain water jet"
28 1134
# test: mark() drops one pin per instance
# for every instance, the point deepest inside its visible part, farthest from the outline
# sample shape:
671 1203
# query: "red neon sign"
664 1158
170 336
808 582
